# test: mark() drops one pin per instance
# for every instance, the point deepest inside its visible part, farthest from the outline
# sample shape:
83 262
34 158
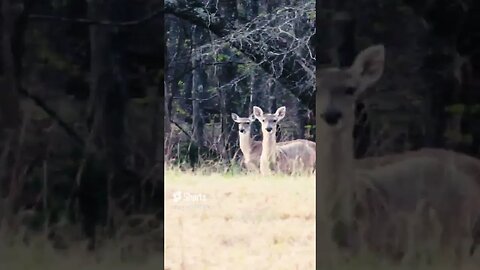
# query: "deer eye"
274 121
350 90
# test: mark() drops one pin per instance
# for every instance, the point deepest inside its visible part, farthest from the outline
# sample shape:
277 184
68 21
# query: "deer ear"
235 117
257 112
252 117
368 66
280 113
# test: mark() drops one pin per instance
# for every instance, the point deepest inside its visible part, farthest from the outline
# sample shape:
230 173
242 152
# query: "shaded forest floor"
239 222
40 255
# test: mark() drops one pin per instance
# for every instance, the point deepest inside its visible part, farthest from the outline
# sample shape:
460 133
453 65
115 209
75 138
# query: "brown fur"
252 149
287 157
395 204
256 152
295 156
468 165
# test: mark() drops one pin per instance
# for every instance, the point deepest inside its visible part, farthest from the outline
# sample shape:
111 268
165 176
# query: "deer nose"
269 129
332 117
242 130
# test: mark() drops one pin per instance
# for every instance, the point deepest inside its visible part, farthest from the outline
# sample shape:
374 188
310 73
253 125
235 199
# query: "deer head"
268 120
244 124
338 89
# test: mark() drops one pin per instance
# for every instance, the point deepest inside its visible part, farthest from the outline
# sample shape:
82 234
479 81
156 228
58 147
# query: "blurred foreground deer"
287 157
394 204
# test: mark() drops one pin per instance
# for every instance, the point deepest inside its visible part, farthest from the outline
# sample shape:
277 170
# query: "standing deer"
387 205
288 157
252 149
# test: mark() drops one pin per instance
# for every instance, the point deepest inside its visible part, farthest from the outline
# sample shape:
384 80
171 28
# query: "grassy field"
217 221
221 221
212 221
239 222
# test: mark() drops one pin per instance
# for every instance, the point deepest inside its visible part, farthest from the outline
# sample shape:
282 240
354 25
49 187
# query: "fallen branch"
40 103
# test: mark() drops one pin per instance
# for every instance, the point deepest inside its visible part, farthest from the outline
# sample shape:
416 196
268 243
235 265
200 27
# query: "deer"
463 162
387 204
288 157
250 148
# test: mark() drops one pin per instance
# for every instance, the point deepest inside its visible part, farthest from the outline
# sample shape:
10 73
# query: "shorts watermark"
183 199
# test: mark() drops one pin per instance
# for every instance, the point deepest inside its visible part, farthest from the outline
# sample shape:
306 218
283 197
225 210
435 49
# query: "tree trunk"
198 84
10 116
93 186
301 121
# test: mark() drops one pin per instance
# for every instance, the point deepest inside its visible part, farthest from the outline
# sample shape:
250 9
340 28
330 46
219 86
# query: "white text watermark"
190 199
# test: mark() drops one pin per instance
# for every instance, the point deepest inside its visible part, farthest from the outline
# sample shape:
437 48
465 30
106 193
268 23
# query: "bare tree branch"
40 103
274 55
181 129
183 73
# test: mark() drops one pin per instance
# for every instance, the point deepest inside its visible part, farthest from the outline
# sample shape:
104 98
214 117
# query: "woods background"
84 86
255 53
81 106
429 93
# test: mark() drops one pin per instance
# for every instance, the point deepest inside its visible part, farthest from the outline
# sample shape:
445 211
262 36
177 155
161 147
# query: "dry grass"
247 222
239 222
224 222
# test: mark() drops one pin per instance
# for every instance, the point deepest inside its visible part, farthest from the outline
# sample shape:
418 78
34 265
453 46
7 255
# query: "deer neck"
268 152
269 145
335 172
246 145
